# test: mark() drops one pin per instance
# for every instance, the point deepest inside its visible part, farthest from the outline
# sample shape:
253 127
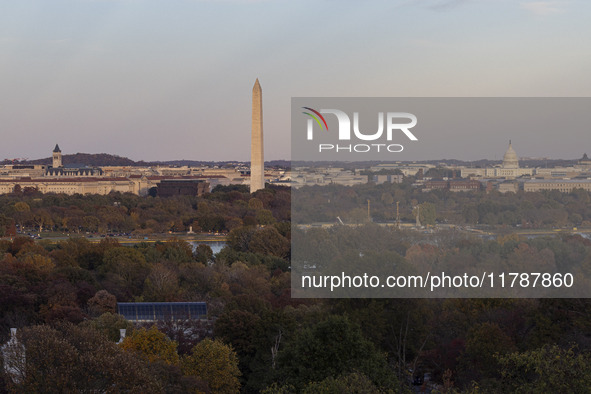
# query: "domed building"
509 168
510 159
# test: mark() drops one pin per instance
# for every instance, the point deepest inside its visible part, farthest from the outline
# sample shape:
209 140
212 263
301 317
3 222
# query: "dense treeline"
283 343
62 297
529 210
223 210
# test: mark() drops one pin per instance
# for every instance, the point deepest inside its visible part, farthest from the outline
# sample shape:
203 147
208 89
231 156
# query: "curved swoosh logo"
316 115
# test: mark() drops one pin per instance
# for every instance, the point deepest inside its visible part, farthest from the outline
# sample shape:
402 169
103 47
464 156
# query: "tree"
128 264
255 203
186 332
387 199
331 348
240 237
215 363
176 250
152 345
203 253
91 223
353 383
549 369
239 328
265 217
356 215
103 302
61 303
5 223
68 358
109 325
42 218
427 213
268 241
162 284
22 212
482 343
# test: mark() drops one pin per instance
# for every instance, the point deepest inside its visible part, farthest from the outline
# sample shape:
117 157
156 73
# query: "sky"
165 80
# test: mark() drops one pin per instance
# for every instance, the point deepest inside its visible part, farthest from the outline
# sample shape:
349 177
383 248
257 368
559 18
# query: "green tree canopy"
331 348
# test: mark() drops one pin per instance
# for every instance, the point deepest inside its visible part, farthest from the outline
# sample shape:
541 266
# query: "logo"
393 126
316 119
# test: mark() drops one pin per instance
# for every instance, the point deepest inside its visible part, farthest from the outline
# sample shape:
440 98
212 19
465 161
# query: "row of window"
140 311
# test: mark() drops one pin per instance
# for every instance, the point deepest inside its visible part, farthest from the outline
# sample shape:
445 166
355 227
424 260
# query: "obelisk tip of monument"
257 84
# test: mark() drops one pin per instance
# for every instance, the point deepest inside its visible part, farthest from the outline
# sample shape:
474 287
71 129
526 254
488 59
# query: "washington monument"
257 161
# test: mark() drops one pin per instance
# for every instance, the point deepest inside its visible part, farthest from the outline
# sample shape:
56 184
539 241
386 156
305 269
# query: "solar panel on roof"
150 311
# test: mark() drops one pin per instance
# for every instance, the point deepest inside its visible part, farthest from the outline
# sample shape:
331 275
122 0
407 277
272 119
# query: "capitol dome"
510 159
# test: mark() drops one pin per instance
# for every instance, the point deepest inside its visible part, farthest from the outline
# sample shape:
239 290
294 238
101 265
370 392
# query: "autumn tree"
22 213
42 218
68 358
62 303
215 363
125 264
102 302
239 238
5 223
255 204
162 284
152 345
186 332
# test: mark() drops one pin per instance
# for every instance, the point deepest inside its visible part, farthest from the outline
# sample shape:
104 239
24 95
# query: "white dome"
510 159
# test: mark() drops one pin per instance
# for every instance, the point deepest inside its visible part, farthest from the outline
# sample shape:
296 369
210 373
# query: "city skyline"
156 82
497 157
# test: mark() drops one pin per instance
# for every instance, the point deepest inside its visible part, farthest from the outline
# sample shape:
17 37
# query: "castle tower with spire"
57 157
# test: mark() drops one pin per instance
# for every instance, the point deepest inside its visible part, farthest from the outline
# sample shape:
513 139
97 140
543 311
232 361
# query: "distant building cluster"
505 177
185 180
562 185
508 169
510 177
304 176
406 169
310 176
82 179
454 185
161 180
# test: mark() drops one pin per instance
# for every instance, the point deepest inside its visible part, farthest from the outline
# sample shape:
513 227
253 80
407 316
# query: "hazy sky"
162 80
